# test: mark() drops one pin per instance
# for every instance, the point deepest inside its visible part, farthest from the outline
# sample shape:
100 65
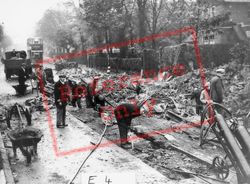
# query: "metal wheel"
209 123
221 168
206 134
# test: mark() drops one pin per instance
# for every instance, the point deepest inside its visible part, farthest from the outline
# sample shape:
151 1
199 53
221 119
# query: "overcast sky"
20 16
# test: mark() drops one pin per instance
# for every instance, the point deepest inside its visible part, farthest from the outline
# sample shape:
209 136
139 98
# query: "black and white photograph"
124 91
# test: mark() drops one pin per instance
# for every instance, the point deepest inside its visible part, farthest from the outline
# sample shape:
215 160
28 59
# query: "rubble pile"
65 64
117 89
121 90
173 94
238 97
167 159
79 73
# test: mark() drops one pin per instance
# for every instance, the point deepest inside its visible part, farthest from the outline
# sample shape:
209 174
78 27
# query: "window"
211 12
209 39
248 34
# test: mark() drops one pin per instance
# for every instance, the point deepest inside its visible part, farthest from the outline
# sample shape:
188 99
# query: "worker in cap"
99 98
22 75
91 92
41 77
62 96
217 89
195 95
220 72
76 93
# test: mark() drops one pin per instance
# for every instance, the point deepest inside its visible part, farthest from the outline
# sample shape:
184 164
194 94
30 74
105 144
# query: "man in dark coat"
77 94
22 75
99 103
41 78
198 104
217 90
62 94
124 114
217 87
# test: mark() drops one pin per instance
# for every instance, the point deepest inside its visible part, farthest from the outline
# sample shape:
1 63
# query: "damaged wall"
211 55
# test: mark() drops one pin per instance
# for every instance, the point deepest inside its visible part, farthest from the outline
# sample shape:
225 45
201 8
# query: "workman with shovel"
124 114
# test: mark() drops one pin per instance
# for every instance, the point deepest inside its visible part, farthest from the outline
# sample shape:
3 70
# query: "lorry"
13 61
35 49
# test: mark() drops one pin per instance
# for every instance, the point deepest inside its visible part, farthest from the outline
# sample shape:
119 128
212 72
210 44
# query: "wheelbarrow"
25 139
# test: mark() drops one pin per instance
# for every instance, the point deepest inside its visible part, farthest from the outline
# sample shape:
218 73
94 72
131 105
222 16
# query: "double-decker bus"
35 49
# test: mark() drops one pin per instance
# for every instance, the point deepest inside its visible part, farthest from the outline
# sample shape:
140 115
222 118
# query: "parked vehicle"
13 61
35 49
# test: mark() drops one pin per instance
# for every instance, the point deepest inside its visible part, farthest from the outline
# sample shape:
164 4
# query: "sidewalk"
50 169
6 176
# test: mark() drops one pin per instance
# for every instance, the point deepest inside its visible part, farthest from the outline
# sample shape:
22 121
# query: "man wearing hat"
41 77
22 75
77 93
62 95
217 87
195 95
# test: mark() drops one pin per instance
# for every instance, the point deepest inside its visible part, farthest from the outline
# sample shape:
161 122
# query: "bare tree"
155 8
142 24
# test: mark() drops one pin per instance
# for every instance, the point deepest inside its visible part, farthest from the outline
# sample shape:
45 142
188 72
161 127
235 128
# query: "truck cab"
13 61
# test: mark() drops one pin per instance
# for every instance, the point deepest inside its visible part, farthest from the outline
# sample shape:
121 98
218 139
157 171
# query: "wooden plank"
175 117
198 156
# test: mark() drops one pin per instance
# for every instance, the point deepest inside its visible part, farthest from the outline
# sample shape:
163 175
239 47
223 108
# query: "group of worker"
212 91
66 91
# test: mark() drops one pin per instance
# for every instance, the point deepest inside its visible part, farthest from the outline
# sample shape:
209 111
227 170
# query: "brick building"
238 27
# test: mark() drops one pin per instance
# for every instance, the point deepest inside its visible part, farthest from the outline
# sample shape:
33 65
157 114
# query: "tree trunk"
142 19
121 38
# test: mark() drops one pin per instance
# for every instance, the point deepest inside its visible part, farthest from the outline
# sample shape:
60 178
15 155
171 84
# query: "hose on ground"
92 151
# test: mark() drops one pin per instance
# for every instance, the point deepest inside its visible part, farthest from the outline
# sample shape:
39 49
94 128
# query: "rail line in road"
144 149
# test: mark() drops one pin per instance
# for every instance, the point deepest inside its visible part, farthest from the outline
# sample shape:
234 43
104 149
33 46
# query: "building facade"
237 29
